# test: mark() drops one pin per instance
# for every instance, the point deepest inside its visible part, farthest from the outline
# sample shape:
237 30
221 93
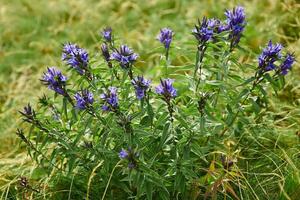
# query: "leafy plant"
192 132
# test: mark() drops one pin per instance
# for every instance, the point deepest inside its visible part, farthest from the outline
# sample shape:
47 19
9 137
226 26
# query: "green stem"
111 174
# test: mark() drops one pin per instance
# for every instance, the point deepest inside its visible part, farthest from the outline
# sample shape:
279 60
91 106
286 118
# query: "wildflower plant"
177 137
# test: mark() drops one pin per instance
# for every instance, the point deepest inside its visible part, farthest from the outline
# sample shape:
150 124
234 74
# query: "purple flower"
105 52
131 165
54 79
205 29
123 154
84 99
125 56
165 37
110 99
141 85
287 63
269 56
235 23
75 57
130 156
28 113
166 89
107 34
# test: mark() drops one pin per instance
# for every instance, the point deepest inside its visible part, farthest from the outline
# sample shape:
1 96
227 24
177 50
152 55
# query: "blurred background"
32 33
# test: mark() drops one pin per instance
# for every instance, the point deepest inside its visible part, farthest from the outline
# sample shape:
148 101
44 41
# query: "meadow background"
32 33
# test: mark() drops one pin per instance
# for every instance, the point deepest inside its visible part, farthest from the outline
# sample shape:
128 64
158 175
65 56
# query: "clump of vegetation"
187 133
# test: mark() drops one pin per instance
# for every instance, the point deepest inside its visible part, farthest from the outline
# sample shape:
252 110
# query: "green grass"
31 34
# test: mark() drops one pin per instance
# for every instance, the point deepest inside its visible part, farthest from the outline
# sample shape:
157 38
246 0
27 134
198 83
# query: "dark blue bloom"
123 154
130 156
204 31
76 57
105 52
269 56
287 63
165 37
110 99
141 85
107 34
84 99
131 165
166 89
54 79
125 56
28 113
235 23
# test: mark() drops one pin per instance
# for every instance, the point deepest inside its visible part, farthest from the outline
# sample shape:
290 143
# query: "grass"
32 34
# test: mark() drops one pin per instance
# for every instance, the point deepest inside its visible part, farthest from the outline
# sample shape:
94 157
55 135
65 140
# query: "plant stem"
111 174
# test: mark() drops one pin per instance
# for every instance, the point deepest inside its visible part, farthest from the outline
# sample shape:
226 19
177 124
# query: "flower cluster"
204 31
125 56
271 53
130 156
28 113
75 57
141 86
54 79
166 89
270 57
84 99
287 63
165 37
235 23
107 34
110 99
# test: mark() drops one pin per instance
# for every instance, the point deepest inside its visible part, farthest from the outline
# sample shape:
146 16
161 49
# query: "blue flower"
84 99
166 89
287 63
235 23
141 85
75 57
107 34
28 113
54 79
105 52
204 31
269 56
165 37
123 154
130 156
125 56
110 99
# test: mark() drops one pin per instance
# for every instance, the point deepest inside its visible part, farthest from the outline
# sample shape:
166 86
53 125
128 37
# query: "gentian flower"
105 52
54 79
269 56
141 85
28 113
205 30
107 34
125 56
75 57
166 89
287 63
110 99
165 37
123 154
84 99
130 156
235 23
